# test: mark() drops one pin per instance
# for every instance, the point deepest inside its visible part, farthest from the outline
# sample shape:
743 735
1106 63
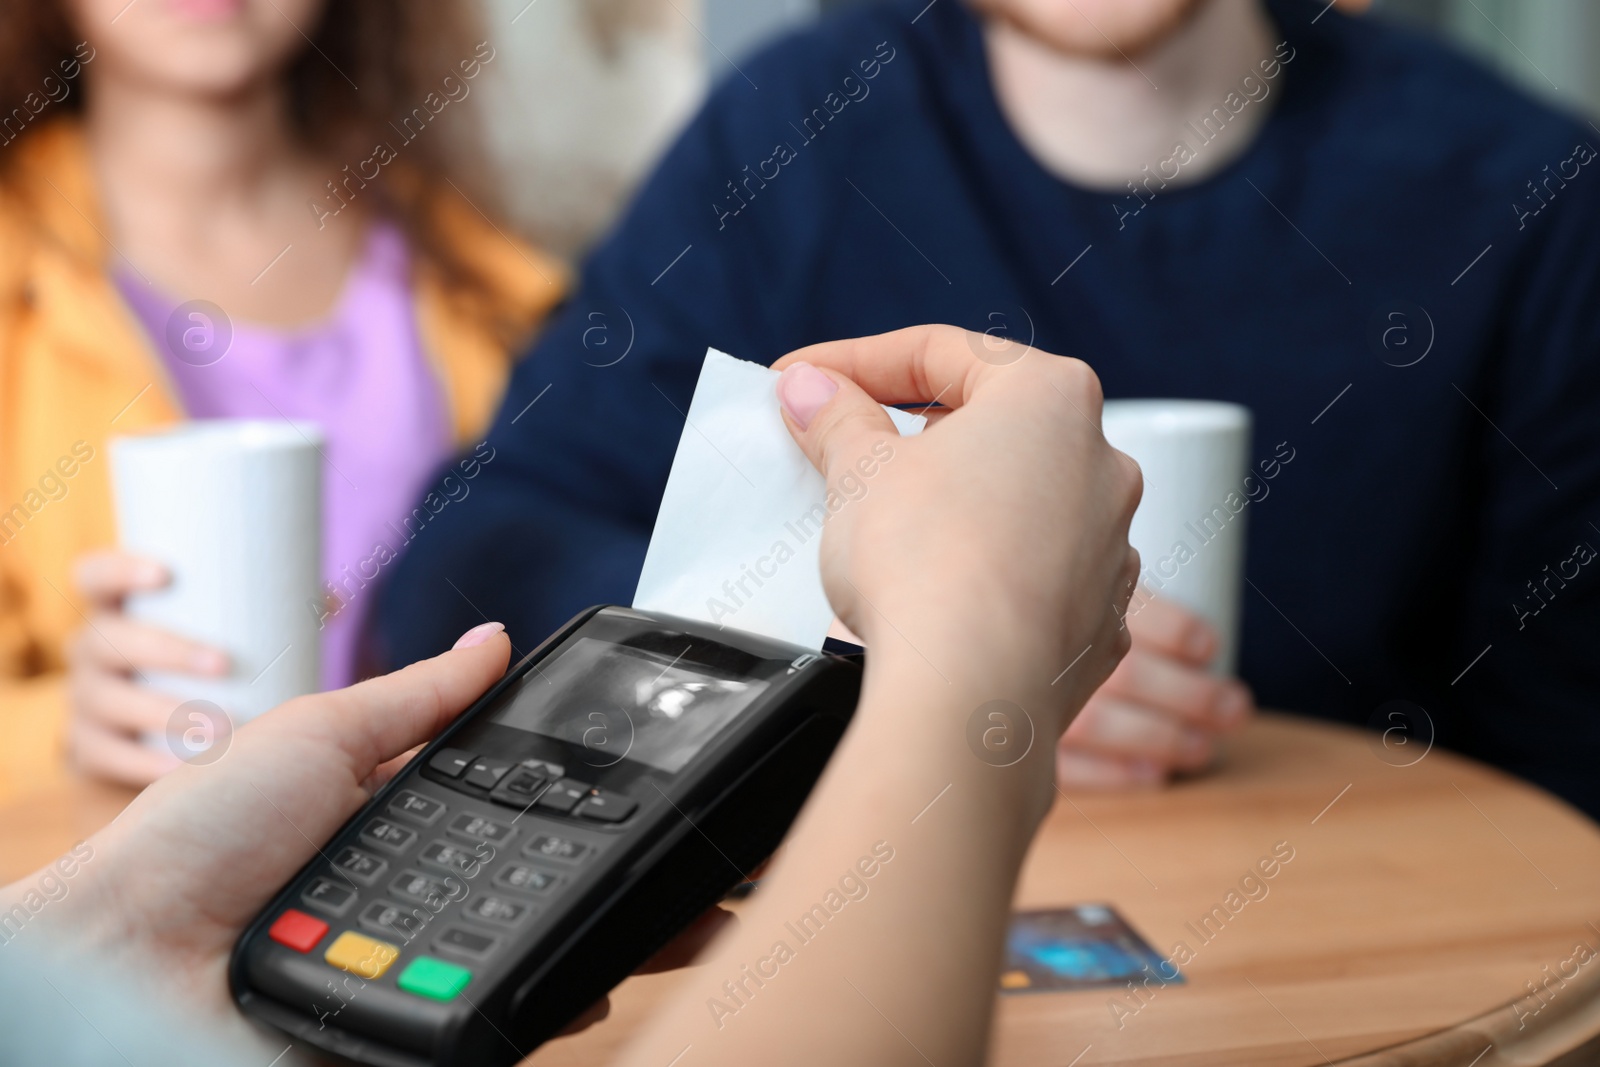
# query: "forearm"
81 912
886 913
49 994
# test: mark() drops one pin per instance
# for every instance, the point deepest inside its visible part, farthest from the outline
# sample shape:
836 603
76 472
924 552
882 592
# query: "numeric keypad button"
394 920
481 828
458 859
550 846
361 866
427 890
416 807
388 835
525 879
497 911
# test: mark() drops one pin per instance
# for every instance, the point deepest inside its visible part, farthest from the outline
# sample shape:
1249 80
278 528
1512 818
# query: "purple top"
360 373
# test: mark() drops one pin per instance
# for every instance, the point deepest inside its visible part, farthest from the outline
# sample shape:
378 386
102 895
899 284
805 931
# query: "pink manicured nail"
1146 772
1232 706
1202 642
803 390
479 634
208 661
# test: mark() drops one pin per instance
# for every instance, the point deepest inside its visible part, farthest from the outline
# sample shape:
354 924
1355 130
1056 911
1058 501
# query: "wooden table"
1419 902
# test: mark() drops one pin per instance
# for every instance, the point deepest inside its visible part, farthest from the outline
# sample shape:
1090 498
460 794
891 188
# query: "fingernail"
208 661
1194 745
479 634
1202 642
803 390
150 574
1232 706
1146 771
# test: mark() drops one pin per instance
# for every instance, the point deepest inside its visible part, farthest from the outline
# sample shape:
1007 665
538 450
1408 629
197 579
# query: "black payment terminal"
619 780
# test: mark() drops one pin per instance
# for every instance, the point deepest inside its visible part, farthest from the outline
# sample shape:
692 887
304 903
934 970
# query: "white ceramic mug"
233 509
1190 526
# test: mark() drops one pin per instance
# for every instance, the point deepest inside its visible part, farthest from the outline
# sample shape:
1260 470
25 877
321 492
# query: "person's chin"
214 80
1076 31
205 60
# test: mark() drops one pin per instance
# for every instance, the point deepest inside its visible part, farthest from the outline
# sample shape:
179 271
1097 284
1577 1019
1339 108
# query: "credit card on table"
1086 946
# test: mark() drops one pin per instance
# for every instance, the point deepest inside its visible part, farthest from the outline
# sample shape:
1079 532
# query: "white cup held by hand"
233 509
1190 526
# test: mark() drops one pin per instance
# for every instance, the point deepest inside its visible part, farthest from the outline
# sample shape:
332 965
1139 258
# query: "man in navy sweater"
1389 256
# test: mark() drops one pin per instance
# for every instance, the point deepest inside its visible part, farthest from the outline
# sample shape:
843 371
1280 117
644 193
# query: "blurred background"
597 88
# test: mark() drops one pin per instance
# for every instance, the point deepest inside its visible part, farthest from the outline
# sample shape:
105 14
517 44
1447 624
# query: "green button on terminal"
434 979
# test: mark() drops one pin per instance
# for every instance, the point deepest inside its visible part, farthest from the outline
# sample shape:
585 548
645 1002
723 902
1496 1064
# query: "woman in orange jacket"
299 168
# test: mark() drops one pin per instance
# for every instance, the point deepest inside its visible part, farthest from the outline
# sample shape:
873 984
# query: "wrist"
976 732
995 655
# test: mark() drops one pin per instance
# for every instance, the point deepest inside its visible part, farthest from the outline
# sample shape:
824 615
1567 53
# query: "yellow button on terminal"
362 956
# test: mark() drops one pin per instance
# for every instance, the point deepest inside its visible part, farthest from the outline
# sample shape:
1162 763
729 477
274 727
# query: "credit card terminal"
614 785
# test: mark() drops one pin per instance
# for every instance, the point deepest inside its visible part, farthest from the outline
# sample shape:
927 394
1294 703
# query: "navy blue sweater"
1400 277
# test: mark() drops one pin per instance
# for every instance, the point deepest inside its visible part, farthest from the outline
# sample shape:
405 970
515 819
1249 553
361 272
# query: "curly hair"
397 51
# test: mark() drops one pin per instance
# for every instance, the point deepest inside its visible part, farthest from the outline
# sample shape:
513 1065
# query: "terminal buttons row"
369 958
533 784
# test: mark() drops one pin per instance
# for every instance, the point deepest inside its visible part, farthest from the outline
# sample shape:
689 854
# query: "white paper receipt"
737 536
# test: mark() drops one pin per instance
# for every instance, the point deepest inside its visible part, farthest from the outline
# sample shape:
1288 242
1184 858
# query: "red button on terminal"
298 930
